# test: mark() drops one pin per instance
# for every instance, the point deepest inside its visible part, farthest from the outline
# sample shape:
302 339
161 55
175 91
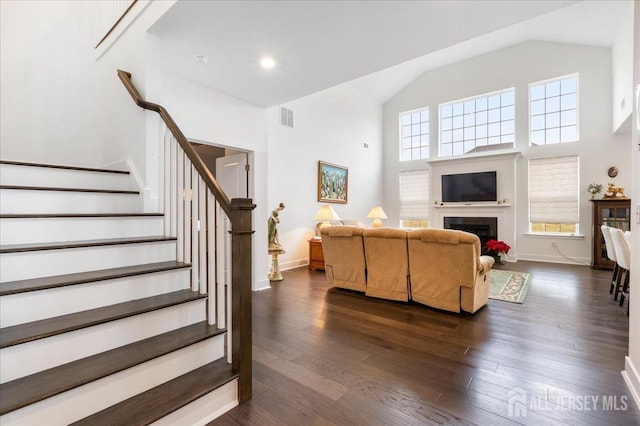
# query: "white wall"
632 364
208 116
622 57
517 66
332 126
59 104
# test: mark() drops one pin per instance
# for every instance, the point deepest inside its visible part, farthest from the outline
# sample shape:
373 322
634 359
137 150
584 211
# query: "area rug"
509 286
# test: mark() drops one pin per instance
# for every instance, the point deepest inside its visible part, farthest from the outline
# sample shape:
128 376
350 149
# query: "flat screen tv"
469 187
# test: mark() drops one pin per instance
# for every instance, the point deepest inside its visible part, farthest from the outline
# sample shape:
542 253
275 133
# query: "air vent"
286 117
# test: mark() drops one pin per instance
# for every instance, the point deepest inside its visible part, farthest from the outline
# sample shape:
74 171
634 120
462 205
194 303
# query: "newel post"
241 315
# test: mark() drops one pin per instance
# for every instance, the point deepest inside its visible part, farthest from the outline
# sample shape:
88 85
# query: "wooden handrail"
208 178
113 27
239 211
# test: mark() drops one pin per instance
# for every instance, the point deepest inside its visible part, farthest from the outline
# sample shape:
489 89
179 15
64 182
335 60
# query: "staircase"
100 323
110 315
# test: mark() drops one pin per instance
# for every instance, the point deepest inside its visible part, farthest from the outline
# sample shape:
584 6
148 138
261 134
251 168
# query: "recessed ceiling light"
201 59
267 62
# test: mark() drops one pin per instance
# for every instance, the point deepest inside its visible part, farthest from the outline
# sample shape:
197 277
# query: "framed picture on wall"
333 183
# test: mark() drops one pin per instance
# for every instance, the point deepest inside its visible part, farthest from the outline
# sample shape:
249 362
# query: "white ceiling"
377 46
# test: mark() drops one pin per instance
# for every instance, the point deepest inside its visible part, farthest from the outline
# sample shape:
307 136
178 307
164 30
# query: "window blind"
414 194
554 190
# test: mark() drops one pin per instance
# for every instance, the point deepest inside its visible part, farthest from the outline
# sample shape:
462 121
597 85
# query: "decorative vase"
497 257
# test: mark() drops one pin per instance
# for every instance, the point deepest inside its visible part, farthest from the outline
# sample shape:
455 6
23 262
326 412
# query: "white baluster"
202 207
180 207
220 265
166 182
173 187
188 231
213 285
195 233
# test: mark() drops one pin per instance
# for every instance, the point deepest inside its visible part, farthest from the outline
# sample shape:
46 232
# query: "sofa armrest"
485 263
472 299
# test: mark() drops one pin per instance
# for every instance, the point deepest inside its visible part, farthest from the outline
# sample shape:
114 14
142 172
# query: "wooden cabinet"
611 212
316 256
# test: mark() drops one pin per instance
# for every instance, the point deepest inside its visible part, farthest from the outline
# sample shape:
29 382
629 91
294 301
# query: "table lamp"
325 214
376 214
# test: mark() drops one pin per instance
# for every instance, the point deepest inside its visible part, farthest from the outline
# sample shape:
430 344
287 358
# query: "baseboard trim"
554 259
632 379
292 264
263 284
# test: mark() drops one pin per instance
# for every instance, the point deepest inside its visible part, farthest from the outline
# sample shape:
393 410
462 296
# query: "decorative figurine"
274 220
275 248
614 192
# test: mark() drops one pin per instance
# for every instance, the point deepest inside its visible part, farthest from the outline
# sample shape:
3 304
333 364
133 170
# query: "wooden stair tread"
44 384
152 405
64 189
34 284
75 215
41 329
16 248
55 166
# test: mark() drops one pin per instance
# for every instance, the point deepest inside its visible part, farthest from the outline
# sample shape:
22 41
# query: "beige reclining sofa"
387 262
436 267
344 262
447 271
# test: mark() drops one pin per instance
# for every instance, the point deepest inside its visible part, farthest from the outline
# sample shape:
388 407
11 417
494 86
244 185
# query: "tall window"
553 111
414 199
554 195
479 123
414 135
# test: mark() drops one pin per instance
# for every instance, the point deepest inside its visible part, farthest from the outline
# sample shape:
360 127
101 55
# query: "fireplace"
486 228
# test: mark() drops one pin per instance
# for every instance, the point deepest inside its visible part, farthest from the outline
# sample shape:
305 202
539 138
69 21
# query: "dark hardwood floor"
325 356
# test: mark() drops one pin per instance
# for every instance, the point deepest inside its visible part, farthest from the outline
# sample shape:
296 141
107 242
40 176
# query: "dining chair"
623 256
611 254
627 236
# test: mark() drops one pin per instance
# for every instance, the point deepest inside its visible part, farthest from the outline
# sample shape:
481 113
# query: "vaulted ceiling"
378 46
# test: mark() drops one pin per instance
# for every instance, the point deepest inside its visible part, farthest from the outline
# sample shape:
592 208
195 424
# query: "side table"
316 256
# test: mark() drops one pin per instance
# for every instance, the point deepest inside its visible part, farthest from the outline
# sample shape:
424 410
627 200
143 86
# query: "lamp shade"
325 214
376 214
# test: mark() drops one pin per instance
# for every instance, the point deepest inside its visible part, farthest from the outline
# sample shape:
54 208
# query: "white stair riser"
25 265
98 395
29 358
18 201
62 178
82 297
204 410
39 230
